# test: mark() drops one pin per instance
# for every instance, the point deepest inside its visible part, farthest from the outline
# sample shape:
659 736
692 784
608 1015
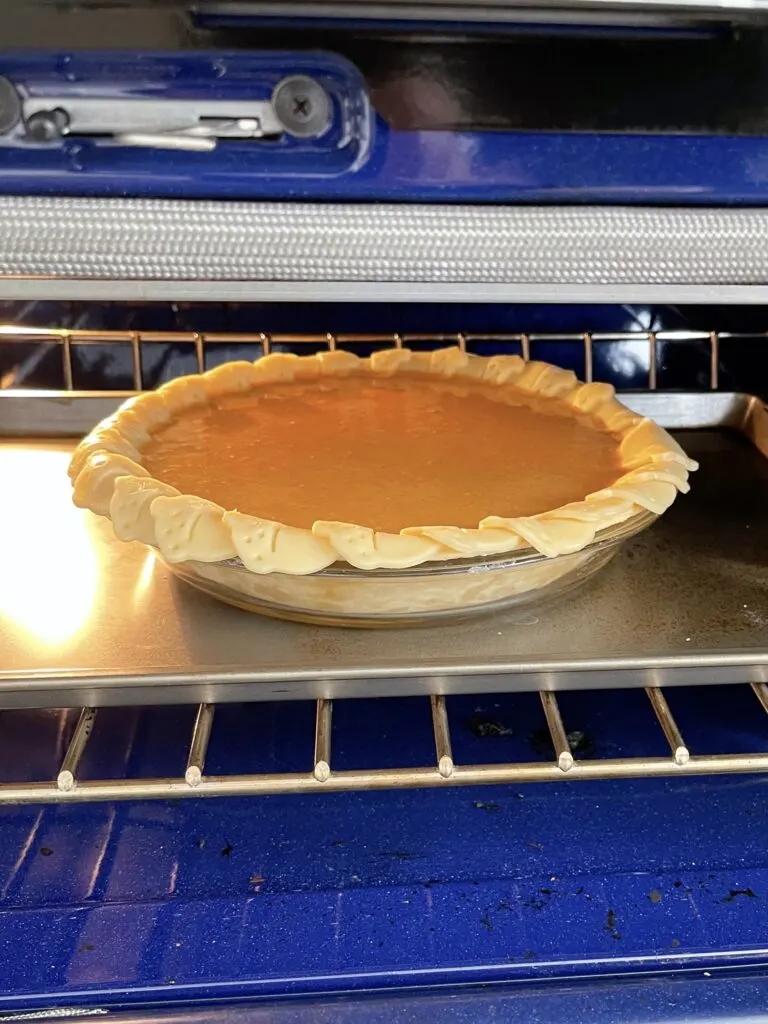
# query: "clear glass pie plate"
434 591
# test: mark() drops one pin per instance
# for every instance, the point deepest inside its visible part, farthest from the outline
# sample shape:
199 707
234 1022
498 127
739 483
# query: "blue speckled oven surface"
139 903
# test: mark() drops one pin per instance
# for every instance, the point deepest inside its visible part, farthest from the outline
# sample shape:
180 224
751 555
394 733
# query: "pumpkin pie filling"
293 463
388 453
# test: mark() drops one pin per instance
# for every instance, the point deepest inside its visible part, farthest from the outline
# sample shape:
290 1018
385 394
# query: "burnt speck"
734 893
482 805
484 727
581 743
87 947
678 884
228 849
655 896
45 851
528 954
610 924
535 902
675 943
503 905
579 891
545 892
338 842
399 855
486 922
432 881
533 845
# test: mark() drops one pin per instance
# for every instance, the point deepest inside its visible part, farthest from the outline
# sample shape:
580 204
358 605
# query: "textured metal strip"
167 240
497 11
160 290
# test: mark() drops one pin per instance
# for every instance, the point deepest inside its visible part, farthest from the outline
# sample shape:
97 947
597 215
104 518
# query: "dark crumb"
528 954
483 727
579 891
399 855
201 844
228 849
655 896
675 943
581 743
485 921
535 903
481 805
381 943
45 851
678 884
432 881
531 844
545 892
338 842
503 905
86 947
610 924
739 892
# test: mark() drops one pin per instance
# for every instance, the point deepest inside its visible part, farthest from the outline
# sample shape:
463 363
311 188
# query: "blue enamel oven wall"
437 142
157 903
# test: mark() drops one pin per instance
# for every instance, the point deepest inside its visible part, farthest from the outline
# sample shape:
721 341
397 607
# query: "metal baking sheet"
87 620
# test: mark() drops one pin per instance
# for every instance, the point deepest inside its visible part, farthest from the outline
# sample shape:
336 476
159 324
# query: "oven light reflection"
49 572
144 579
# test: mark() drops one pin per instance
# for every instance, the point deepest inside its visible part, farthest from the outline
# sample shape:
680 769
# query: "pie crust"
110 479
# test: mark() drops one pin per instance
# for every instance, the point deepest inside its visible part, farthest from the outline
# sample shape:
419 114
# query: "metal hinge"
299 106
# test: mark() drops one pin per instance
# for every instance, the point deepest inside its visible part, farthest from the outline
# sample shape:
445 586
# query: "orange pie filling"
387 454
293 463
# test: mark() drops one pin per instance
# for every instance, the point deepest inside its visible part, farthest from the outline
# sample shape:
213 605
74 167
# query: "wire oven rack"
444 771
67 786
67 339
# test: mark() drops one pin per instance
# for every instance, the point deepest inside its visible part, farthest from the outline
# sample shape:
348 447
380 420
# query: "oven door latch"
299 107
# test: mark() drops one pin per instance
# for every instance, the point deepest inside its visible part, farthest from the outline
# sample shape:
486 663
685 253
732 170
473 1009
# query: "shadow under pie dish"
371 491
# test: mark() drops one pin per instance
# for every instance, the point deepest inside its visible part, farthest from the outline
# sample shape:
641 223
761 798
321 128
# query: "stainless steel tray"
88 621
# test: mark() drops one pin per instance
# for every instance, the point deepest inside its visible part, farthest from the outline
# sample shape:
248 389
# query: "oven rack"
68 339
68 787
696 618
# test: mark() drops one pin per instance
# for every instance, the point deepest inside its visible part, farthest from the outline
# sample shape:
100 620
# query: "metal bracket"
299 107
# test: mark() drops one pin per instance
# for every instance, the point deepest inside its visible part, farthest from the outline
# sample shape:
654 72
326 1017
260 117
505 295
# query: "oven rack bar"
68 339
69 788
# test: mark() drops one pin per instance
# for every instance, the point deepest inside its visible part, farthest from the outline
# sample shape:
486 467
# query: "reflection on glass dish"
344 596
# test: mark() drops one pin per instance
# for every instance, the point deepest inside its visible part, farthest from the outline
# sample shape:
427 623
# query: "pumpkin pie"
294 463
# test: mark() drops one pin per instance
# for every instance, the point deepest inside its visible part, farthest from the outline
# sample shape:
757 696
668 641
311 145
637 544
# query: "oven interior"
569 794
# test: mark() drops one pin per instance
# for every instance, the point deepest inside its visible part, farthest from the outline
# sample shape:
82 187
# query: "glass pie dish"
425 594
